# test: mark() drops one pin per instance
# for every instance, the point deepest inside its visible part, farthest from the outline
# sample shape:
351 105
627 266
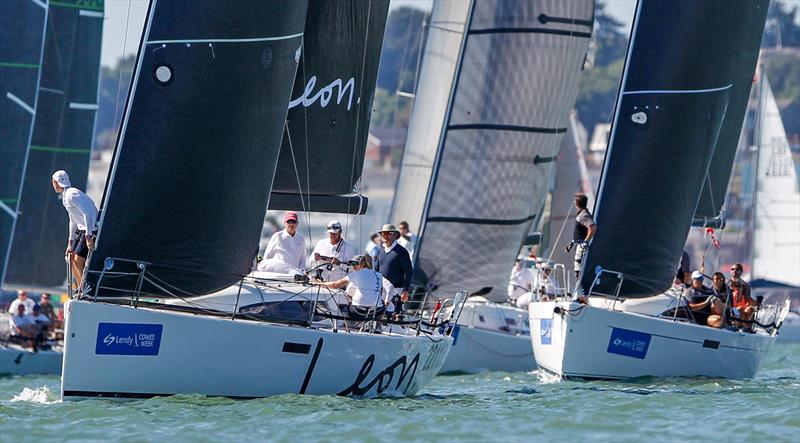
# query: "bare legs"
77 263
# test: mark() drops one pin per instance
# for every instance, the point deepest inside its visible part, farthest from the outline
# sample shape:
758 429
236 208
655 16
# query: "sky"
124 21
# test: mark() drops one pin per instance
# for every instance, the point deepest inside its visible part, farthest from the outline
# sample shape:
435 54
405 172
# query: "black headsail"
323 153
22 24
62 138
715 187
684 59
498 80
188 188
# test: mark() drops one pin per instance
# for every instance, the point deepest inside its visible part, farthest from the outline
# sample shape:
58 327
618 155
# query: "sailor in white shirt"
519 282
335 251
22 324
24 300
365 288
286 251
407 238
82 222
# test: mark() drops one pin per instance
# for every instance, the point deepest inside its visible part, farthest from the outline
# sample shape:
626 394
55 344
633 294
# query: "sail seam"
678 91
563 32
83 106
7 209
228 40
482 221
508 128
57 149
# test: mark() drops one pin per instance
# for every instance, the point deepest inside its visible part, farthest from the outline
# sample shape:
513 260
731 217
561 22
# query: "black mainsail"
684 59
22 24
497 83
192 169
62 138
322 154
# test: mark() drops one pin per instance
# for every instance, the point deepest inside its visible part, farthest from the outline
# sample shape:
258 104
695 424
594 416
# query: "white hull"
594 342
184 353
17 361
476 350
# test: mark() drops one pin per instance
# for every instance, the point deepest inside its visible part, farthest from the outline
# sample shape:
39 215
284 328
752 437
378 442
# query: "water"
484 407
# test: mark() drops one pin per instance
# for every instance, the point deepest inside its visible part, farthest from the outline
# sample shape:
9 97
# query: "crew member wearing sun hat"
394 262
286 250
335 251
82 222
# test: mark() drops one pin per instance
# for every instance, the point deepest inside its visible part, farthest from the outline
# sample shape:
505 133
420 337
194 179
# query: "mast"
62 138
22 22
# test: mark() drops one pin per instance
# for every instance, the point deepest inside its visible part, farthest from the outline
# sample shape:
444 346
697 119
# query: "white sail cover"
776 239
493 108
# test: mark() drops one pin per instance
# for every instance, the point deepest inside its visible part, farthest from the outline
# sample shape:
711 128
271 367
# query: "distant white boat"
21 360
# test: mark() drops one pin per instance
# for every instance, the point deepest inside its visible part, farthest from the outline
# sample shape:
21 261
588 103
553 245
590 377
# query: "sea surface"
485 407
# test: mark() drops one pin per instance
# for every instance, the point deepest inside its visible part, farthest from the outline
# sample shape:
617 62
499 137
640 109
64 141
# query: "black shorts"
79 246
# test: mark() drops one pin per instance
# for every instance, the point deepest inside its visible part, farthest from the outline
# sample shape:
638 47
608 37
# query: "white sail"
776 238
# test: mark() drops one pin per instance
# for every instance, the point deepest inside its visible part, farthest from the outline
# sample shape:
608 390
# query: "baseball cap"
62 178
334 226
290 216
355 260
697 275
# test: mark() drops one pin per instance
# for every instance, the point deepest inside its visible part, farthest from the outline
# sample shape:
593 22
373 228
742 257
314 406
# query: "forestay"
683 61
322 154
187 190
22 24
63 135
493 106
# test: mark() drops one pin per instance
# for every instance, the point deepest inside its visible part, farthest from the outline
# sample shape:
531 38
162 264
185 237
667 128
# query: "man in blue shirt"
394 262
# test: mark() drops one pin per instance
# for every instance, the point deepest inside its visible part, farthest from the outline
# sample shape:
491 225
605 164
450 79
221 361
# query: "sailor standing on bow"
585 229
82 220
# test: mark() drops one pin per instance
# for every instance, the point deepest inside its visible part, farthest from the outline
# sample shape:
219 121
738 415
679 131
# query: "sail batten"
679 91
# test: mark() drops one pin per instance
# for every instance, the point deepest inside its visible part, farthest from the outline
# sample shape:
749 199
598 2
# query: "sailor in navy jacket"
393 261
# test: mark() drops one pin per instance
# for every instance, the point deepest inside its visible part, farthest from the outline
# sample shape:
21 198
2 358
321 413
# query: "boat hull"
17 361
121 351
476 350
591 342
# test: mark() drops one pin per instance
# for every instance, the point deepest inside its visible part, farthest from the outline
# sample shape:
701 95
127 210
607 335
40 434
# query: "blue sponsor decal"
546 330
456 330
628 343
128 339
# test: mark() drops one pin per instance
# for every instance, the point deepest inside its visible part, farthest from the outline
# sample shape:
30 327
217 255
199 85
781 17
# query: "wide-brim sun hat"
389 228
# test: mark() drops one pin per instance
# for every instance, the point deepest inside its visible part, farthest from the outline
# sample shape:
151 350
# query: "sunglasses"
291 222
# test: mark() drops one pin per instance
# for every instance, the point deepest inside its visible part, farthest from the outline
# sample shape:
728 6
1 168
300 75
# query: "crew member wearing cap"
394 261
519 283
333 250
286 250
701 301
82 222
366 289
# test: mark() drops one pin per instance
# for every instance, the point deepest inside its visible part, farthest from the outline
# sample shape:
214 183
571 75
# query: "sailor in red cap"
286 251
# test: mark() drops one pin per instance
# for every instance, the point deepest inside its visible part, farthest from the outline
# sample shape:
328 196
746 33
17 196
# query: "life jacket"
739 301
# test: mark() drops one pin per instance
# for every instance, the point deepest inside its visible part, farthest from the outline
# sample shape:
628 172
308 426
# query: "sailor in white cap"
335 251
82 222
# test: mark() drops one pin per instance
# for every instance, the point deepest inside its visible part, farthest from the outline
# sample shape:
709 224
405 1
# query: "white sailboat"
496 85
671 119
159 316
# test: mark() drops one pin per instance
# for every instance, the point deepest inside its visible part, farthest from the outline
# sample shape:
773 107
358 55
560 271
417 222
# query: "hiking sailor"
82 219
335 251
585 229
286 250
